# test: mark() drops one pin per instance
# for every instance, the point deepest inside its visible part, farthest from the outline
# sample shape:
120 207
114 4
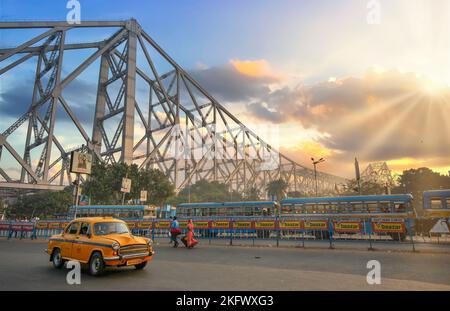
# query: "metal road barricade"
306 230
17 229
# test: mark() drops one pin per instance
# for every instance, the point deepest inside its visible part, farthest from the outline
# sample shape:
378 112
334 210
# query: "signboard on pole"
80 162
143 196
126 185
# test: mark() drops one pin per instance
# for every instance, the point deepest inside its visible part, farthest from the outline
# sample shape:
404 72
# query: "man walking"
175 231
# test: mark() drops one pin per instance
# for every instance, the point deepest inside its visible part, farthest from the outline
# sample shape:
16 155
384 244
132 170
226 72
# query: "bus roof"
439 193
227 204
362 198
135 207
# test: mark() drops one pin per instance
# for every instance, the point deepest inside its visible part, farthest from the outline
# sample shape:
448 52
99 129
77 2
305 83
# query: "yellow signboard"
388 226
41 225
183 223
221 224
131 224
290 224
201 224
316 224
162 224
242 225
347 226
265 224
53 225
144 224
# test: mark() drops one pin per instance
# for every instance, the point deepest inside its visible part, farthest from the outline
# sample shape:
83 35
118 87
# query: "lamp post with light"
315 170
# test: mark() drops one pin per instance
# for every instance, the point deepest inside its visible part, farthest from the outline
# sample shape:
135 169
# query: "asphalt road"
24 266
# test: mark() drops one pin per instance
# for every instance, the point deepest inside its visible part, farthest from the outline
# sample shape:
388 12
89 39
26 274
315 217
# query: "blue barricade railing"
301 230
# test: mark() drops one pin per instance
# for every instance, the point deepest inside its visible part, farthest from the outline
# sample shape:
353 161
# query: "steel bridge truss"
180 128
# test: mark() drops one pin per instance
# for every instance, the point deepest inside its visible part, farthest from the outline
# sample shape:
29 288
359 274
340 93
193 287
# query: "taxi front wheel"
57 259
96 264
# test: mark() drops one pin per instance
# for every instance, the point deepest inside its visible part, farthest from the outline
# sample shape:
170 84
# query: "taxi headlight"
115 246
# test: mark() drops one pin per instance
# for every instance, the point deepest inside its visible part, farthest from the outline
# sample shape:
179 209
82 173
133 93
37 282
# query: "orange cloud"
254 68
313 148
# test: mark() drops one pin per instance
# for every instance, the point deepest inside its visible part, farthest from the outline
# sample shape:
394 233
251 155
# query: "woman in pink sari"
190 241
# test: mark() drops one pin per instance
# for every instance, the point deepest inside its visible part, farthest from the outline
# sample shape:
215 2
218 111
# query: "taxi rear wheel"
96 264
141 265
57 259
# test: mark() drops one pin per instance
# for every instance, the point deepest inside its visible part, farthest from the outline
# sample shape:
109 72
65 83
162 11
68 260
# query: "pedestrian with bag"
175 231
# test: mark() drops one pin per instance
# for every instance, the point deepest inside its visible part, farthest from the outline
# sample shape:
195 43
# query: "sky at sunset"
335 86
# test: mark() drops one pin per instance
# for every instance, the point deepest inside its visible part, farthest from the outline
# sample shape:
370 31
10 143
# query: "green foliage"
205 191
421 179
253 194
104 185
159 188
41 204
416 181
298 194
277 188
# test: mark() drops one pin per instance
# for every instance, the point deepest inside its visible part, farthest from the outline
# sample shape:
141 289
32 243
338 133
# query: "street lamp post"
315 170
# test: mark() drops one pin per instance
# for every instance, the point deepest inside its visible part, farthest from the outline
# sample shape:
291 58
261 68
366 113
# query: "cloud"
80 95
383 115
254 68
237 81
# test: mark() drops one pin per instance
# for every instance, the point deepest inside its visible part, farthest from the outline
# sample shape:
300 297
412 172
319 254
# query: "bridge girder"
181 129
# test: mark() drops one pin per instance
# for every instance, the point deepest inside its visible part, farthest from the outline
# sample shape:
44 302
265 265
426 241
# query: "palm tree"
277 188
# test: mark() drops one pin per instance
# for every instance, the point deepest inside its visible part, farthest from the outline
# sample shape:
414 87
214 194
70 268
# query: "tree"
159 188
416 181
103 186
298 194
42 204
277 188
253 194
206 191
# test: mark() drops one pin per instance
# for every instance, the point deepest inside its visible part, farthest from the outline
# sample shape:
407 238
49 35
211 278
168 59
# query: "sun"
432 87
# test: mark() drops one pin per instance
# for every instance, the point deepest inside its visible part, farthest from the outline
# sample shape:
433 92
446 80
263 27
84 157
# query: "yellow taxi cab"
99 242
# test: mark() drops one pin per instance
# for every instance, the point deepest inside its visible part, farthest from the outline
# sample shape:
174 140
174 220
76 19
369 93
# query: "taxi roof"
98 219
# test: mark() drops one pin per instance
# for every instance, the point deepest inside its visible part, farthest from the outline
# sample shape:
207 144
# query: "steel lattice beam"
183 130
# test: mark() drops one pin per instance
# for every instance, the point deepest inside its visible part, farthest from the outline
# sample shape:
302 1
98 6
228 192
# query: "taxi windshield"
104 228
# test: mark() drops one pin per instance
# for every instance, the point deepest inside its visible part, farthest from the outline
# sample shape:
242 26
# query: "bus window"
384 207
436 203
309 208
373 207
447 203
399 207
357 207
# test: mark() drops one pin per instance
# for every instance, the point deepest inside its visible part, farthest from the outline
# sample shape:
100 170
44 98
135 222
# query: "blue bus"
399 204
117 211
391 207
436 203
227 209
